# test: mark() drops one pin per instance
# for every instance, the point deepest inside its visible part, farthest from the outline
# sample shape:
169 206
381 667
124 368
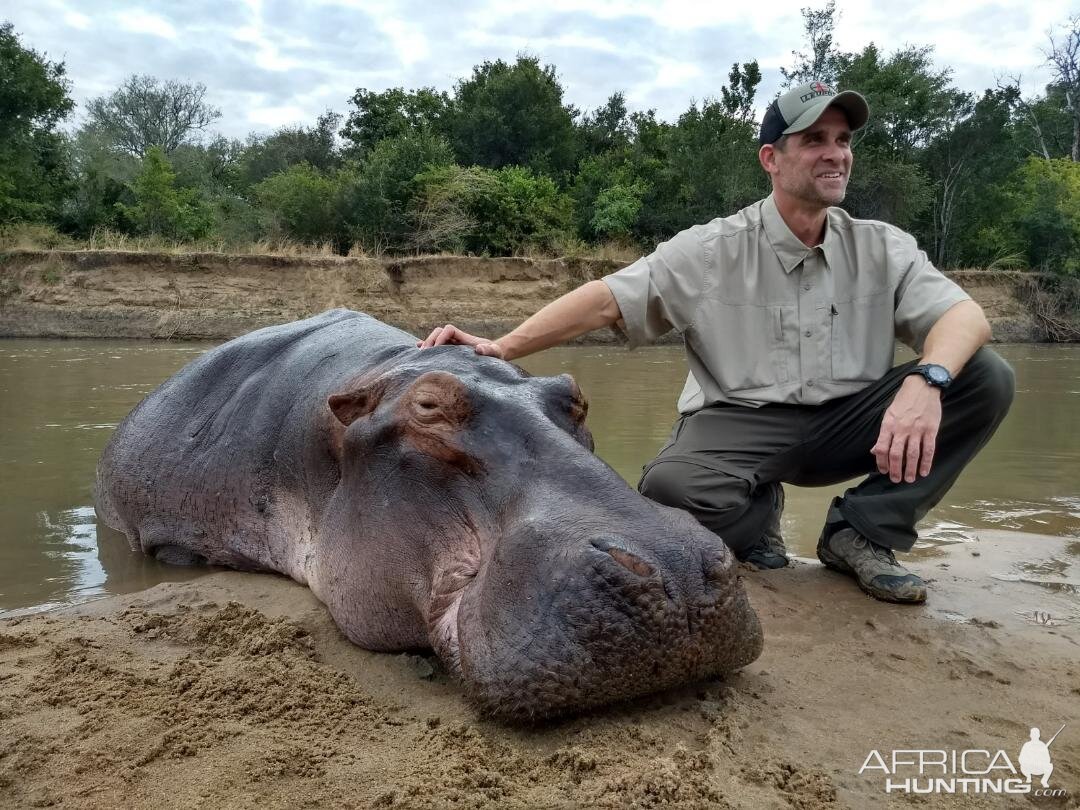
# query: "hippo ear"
351 405
568 407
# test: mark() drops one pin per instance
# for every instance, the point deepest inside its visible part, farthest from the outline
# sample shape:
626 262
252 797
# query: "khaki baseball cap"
801 106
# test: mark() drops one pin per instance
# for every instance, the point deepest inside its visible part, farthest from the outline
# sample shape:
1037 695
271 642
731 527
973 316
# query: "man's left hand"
909 430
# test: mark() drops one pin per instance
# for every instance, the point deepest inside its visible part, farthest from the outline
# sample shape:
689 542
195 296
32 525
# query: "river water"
60 400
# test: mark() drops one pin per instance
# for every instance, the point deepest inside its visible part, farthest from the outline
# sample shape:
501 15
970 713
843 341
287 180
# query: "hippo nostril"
627 559
716 565
631 562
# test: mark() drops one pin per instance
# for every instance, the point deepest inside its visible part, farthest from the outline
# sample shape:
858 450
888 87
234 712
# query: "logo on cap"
816 89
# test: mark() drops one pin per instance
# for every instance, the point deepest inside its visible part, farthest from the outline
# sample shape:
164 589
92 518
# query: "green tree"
969 165
159 207
1063 57
101 179
1044 127
375 195
443 218
214 173
606 128
912 103
713 157
394 113
597 175
213 168
513 115
821 60
290 146
737 96
616 209
299 203
144 112
705 166
1043 217
527 211
33 158
498 212
608 185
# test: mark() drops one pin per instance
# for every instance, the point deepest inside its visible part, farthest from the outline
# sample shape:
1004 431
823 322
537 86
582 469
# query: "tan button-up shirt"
767 319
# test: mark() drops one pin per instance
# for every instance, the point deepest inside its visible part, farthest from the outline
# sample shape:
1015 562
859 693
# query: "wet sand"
237 690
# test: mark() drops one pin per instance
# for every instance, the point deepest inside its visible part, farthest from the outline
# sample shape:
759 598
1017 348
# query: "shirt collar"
788 247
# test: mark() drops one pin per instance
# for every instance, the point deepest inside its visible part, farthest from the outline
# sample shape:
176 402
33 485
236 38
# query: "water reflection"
59 401
1025 479
70 540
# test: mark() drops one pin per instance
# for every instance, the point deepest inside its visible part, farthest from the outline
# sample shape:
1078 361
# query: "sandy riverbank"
237 690
213 296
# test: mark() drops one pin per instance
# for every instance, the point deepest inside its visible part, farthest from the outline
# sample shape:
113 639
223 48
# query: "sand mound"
238 691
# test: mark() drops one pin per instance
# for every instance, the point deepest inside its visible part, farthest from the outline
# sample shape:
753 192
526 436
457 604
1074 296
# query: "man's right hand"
450 334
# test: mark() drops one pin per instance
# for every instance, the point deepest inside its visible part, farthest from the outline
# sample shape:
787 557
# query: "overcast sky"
267 63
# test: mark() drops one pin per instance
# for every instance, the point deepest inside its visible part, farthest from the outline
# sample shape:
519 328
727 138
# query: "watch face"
937 375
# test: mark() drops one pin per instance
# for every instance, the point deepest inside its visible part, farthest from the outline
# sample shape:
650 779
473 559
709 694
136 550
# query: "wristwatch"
937 376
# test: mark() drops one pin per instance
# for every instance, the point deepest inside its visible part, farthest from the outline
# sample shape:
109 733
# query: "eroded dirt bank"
217 296
237 691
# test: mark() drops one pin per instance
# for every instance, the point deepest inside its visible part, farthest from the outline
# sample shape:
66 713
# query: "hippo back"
228 461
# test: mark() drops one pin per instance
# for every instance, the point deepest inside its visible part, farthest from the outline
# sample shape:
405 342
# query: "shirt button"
809 383
806 333
806 286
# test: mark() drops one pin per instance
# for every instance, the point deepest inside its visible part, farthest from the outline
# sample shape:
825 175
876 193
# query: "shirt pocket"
863 337
746 347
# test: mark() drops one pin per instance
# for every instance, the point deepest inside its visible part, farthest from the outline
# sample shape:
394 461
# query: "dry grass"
104 239
1008 261
1055 302
33 236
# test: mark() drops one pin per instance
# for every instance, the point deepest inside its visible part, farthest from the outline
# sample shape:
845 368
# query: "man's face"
814 165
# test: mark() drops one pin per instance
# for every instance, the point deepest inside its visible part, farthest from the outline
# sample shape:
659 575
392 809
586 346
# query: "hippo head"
472 517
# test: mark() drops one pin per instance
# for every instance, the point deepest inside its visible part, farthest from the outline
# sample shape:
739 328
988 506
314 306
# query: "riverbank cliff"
128 294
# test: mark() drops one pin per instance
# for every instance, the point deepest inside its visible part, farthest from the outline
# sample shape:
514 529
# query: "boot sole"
762 565
912 596
830 560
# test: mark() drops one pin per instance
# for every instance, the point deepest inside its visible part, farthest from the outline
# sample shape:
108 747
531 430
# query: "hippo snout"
604 619
708 581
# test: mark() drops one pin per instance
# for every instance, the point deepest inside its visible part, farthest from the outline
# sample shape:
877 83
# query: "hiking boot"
770 551
874 567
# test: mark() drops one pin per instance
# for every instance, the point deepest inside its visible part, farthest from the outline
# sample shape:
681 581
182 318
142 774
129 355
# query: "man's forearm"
956 336
591 306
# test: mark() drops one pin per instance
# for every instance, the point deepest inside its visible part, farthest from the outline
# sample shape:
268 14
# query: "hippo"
433 499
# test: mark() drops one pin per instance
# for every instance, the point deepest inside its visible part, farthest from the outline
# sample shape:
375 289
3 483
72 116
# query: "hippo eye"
426 408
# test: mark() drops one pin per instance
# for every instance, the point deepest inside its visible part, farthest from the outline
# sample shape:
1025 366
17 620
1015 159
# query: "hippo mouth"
638 633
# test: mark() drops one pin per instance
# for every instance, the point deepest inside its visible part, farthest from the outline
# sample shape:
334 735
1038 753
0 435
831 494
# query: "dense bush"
1043 217
34 166
375 194
299 204
497 212
160 207
503 165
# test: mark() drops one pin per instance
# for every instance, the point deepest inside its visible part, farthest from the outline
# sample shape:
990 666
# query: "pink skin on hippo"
430 499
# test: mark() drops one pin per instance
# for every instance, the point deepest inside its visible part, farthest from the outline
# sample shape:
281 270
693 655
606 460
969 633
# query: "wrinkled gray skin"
430 499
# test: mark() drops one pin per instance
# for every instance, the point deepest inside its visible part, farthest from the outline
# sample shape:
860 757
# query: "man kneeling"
789 310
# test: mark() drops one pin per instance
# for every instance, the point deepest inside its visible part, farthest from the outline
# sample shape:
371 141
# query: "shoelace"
880 552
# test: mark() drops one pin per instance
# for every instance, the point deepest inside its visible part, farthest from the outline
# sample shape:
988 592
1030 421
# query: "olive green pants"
723 463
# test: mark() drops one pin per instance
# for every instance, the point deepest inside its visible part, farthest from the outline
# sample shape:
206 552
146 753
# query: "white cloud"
409 40
139 22
274 117
273 62
77 20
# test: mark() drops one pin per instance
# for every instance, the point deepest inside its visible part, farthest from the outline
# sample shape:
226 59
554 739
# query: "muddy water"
59 401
